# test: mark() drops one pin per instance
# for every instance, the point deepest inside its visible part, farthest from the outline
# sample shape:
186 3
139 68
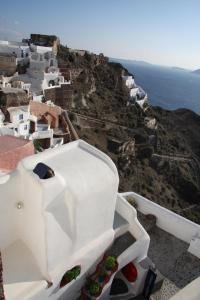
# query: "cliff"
160 161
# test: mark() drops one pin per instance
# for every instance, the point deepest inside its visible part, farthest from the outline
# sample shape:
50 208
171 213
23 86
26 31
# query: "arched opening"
51 83
43 171
70 275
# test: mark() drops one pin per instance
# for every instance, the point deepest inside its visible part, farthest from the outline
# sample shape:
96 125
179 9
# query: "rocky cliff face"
157 152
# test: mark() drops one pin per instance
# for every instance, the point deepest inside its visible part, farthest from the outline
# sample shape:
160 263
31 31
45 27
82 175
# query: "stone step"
167 290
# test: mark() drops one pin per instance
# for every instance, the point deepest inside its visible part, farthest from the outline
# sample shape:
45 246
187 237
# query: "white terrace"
73 218
50 225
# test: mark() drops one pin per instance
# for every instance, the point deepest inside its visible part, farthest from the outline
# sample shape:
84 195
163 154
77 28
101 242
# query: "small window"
25 127
43 171
21 117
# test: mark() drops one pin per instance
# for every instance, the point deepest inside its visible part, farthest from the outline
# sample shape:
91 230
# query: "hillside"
197 72
161 163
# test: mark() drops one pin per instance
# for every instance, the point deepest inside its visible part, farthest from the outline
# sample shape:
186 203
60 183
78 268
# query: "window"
25 127
21 117
43 171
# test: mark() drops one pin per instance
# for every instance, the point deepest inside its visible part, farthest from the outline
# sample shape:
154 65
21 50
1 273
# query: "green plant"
69 276
37 145
72 274
132 201
110 263
94 288
76 271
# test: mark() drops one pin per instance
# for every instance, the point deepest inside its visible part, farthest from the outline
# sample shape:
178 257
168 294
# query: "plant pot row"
96 282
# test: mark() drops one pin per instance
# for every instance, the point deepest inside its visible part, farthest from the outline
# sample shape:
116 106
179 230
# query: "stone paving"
171 257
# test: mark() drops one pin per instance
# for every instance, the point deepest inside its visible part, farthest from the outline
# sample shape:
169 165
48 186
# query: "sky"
164 32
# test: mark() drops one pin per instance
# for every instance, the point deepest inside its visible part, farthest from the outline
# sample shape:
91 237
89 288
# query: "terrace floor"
170 256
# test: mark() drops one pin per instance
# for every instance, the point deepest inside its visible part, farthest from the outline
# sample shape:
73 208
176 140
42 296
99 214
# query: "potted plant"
67 277
94 289
76 271
111 264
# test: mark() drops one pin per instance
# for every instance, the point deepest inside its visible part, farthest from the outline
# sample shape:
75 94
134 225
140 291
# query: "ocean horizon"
168 87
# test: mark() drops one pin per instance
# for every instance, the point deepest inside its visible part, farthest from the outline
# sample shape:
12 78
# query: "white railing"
167 220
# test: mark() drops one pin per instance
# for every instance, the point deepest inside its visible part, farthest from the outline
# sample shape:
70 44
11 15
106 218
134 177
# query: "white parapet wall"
167 220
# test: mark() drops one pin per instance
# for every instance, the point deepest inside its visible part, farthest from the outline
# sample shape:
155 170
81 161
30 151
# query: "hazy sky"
164 32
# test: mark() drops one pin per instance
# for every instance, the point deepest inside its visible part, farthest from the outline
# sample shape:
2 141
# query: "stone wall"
8 99
8 64
46 41
61 96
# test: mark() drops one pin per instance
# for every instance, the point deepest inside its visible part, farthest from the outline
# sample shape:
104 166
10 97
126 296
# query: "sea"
168 87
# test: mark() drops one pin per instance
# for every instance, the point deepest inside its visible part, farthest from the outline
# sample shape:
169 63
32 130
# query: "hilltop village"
77 133
38 88
51 95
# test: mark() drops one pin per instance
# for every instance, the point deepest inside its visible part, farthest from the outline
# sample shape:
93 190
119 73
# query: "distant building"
101 59
8 64
61 95
129 81
12 150
78 51
19 120
43 40
20 50
13 97
64 69
69 73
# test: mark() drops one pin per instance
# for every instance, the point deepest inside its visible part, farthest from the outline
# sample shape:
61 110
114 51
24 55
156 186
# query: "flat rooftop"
8 143
170 255
9 90
17 109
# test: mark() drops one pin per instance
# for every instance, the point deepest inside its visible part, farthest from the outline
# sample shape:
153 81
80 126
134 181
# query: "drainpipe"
1 280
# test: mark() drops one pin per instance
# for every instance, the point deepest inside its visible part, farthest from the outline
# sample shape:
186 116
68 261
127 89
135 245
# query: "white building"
23 124
129 81
52 79
2 118
5 81
42 73
21 50
133 92
137 94
19 120
70 221
41 49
